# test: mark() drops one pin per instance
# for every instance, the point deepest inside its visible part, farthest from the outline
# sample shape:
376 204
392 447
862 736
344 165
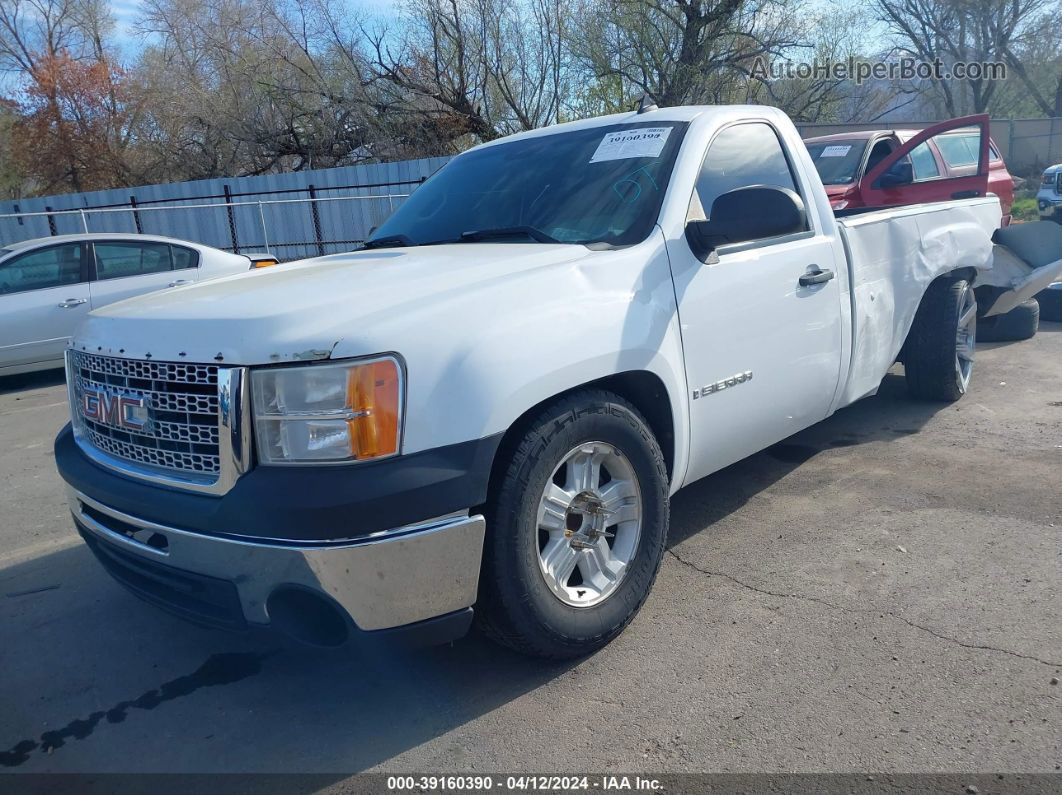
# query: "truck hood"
335 306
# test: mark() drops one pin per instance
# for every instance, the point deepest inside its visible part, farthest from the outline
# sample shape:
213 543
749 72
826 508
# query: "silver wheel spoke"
965 338
616 494
559 560
553 510
592 528
598 567
584 469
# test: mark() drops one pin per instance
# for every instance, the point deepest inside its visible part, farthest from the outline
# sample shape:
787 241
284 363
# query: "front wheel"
576 528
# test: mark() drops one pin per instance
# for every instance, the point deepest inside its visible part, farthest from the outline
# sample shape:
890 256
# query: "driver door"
762 351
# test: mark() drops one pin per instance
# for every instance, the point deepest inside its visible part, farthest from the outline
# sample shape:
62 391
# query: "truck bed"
893 254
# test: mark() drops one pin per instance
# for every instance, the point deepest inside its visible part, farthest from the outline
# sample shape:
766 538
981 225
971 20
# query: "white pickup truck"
490 404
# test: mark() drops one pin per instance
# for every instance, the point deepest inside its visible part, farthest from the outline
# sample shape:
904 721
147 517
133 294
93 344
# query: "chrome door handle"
179 282
70 303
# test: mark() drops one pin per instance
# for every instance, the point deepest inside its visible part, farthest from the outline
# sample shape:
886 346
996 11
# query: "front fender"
535 337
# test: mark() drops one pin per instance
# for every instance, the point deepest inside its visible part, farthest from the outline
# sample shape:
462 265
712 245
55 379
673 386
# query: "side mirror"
900 173
745 214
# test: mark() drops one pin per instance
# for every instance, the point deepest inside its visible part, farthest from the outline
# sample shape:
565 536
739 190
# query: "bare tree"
482 68
680 51
968 31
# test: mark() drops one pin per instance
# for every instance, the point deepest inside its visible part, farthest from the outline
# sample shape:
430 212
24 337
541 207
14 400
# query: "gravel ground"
880 592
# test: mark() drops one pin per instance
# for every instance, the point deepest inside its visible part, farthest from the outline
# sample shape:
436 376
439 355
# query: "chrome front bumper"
392 579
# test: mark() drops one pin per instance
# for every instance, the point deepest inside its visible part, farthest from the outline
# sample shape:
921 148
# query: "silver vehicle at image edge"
49 285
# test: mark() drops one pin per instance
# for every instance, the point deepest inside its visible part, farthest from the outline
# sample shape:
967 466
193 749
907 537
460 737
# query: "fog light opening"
306 616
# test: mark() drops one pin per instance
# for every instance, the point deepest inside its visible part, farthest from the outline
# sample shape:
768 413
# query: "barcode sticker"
643 142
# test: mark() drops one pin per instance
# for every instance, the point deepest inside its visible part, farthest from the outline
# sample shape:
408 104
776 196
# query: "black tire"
1020 323
516 607
930 353
1050 304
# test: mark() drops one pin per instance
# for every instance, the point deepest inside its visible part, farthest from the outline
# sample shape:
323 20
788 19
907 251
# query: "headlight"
328 413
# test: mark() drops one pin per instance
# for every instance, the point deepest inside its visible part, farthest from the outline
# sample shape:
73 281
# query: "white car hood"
330 307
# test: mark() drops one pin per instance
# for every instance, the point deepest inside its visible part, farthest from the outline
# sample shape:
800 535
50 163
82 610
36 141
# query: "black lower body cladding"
310 504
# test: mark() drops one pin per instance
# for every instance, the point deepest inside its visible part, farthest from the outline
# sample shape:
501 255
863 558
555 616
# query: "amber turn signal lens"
374 396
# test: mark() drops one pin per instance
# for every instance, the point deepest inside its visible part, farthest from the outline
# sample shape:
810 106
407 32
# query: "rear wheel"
577 529
939 354
1020 323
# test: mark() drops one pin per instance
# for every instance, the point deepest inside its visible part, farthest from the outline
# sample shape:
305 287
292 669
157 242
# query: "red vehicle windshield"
838 161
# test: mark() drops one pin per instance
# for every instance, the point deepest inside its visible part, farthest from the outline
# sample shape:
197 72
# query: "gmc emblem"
114 409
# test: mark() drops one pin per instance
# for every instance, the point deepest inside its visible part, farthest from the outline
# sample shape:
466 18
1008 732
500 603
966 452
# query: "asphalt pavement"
880 592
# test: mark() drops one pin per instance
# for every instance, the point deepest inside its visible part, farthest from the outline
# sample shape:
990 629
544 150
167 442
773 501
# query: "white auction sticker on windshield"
835 151
643 142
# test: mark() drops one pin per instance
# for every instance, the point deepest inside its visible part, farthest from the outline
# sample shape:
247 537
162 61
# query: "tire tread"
929 352
495 608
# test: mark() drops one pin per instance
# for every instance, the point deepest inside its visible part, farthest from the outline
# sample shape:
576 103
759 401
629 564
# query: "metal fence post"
265 232
232 220
84 221
316 217
51 221
136 216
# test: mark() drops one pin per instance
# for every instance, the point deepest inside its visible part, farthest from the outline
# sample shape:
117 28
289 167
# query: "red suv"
938 167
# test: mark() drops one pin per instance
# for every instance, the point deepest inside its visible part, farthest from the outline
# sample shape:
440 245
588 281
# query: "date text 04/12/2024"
521 783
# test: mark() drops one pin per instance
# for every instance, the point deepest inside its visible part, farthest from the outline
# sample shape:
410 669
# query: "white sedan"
48 285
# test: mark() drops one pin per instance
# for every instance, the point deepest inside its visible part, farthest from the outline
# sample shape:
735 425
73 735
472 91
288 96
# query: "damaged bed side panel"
893 257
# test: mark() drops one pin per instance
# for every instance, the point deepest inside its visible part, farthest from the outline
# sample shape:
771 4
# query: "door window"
739 157
881 150
184 258
959 150
54 266
119 259
924 164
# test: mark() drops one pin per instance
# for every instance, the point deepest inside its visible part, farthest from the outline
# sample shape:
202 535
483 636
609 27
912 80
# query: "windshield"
597 185
837 161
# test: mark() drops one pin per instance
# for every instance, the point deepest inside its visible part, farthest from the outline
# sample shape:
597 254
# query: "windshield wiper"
389 241
508 231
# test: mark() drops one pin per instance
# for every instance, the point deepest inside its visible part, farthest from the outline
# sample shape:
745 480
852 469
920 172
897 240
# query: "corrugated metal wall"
290 224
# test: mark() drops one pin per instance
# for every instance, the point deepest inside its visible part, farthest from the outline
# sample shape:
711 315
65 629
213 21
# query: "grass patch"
1025 210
